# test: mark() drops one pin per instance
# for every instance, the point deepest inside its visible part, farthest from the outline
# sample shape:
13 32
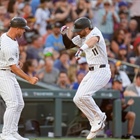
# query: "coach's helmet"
19 22
82 23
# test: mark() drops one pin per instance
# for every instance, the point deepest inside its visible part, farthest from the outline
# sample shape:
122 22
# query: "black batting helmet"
19 22
82 23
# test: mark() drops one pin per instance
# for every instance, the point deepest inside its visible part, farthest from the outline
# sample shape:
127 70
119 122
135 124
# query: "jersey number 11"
95 51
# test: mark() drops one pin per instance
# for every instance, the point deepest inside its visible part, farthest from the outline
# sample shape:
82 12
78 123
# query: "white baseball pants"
92 82
11 93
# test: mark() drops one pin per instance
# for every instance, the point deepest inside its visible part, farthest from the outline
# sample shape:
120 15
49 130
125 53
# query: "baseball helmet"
19 22
82 23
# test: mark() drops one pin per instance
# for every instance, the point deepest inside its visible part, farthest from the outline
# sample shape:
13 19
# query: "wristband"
84 47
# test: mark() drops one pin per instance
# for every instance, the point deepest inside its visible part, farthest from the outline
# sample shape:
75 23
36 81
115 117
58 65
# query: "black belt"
6 70
101 66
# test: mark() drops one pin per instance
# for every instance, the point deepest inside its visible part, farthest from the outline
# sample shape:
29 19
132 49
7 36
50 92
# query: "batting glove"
78 54
64 30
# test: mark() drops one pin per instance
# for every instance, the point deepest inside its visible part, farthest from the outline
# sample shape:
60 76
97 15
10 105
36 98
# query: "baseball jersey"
9 52
96 55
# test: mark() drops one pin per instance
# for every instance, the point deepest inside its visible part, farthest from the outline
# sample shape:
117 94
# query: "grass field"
74 139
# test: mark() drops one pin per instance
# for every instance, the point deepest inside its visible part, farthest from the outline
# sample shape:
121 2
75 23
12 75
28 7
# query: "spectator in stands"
32 32
51 53
50 7
84 9
4 3
63 12
122 72
72 70
136 51
2 16
27 37
123 25
23 54
108 17
123 6
48 32
62 63
48 74
34 5
27 10
123 15
122 53
119 38
134 87
7 7
96 5
107 106
54 40
48 53
42 14
2 30
134 55
35 50
108 47
135 12
12 9
82 64
132 28
21 4
137 63
73 61
29 67
63 81
114 71
80 75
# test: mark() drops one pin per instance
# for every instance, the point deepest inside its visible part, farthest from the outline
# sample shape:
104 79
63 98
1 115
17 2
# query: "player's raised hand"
78 54
33 80
64 30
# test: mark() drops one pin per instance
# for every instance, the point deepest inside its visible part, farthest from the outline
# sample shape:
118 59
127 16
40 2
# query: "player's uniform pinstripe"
9 87
94 80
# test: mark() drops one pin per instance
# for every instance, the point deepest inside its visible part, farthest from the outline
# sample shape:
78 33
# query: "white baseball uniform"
9 88
95 79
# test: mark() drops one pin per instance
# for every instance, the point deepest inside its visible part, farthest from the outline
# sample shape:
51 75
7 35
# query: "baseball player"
9 88
90 41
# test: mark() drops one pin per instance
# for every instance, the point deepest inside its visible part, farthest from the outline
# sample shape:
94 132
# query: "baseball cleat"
17 136
91 135
8 137
99 125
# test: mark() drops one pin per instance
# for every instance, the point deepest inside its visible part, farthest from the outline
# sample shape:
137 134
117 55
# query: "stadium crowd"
43 53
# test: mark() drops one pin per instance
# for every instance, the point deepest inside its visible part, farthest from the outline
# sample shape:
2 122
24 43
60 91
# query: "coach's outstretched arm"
67 42
15 69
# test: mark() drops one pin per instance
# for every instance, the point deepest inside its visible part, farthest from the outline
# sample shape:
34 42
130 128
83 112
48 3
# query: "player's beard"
19 35
83 34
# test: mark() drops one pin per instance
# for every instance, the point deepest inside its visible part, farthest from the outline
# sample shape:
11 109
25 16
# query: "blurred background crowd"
42 51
